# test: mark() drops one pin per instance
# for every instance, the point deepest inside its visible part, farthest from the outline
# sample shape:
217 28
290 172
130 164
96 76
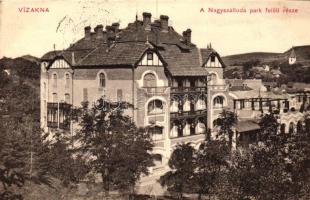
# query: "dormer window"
149 56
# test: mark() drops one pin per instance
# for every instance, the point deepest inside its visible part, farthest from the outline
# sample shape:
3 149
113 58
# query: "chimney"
87 32
99 31
110 34
157 23
116 27
164 22
146 19
187 35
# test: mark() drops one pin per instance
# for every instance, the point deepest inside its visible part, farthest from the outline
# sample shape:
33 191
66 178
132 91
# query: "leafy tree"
269 127
64 163
117 149
277 169
226 122
181 163
22 157
210 162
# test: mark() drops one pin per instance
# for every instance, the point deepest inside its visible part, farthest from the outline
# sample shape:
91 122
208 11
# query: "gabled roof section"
206 53
292 55
59 62
72 57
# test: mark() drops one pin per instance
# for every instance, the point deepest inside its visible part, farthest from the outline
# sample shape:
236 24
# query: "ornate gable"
59 63
150 58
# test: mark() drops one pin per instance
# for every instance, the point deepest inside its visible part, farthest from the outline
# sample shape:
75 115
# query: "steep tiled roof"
239 88
180 56
136 32
117 54
247 125
182 63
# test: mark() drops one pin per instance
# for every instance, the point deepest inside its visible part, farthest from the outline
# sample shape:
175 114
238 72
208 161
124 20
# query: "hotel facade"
175 88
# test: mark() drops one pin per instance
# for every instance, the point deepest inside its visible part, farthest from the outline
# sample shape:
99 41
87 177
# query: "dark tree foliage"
20 138
117 149
23 154
226 122
269 127
64 163
277 168
248 66
296 72
181 163
211 160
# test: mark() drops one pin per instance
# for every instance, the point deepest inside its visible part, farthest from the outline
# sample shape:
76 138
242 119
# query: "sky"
36 33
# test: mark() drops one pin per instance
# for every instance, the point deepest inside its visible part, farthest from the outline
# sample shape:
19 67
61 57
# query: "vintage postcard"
154 99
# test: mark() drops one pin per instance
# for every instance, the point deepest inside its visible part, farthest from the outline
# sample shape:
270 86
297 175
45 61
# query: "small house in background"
298 55
292 57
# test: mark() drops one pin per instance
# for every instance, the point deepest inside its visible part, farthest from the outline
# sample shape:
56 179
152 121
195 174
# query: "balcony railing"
188 89
62 105
186 114
155 90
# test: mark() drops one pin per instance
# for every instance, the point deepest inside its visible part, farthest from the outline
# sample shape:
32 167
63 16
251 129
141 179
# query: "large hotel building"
174 86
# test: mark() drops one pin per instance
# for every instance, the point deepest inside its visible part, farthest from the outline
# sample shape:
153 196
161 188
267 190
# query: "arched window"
282 129
101 80
299 127
155 107
67 98
67 80
157 160
149 80
291 128
218 102
54 80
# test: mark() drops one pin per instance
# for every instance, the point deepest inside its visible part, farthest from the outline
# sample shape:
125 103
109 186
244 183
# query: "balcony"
155 90
188 114
58 115
178 90
190 138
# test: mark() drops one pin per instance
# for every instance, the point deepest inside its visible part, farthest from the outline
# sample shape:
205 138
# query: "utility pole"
31 152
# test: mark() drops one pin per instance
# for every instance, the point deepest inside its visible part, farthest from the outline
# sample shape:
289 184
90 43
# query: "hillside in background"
25 68
264 57
270 67
19 87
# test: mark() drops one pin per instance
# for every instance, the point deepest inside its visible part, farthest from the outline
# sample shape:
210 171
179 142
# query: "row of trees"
26 156
277 167
108 143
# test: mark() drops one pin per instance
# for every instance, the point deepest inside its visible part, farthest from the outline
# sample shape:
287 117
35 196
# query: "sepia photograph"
154 100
